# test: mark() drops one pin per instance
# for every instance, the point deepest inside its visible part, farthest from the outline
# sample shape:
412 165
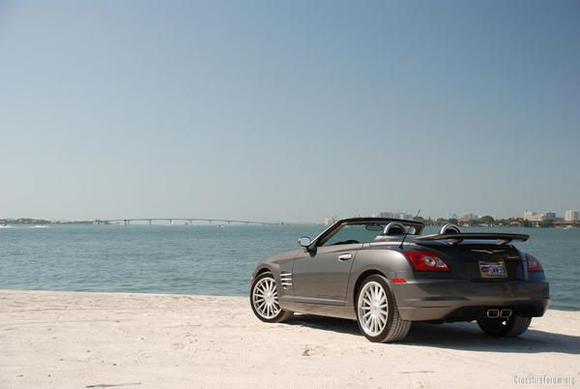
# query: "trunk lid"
480 261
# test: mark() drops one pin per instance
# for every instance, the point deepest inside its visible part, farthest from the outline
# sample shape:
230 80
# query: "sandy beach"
97 340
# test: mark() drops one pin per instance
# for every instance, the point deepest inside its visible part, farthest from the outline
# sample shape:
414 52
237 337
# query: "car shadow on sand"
460 336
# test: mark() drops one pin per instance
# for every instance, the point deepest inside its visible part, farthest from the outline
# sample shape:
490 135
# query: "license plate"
492 270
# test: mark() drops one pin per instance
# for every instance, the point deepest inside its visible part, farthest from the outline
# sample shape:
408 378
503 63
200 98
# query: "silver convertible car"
385 274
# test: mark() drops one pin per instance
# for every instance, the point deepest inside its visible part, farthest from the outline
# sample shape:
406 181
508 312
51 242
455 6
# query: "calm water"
202 259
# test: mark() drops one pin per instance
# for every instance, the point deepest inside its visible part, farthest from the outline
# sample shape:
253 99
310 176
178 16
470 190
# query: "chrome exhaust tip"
505 313
492 313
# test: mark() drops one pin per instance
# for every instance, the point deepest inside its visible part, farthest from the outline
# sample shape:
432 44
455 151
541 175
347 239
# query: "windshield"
359 232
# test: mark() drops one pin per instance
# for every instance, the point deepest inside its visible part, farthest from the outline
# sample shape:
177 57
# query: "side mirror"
305 241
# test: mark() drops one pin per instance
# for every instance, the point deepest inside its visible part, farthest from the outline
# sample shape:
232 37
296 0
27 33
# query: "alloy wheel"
373 308
265 298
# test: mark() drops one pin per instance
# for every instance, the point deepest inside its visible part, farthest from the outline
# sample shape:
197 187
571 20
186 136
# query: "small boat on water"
39 226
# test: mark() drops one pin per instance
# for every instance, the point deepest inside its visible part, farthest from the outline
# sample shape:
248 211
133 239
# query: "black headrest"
449 229
394 228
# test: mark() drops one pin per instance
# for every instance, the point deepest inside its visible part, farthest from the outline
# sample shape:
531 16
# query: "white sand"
81 340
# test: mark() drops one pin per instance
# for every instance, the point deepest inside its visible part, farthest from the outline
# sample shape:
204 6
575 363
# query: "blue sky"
288 110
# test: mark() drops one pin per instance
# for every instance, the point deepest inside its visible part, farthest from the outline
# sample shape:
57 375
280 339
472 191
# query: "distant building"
533 216
396 215
330 220
539 216
467 217
571 215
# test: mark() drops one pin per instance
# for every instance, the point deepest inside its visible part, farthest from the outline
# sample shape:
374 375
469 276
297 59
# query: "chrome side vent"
286 279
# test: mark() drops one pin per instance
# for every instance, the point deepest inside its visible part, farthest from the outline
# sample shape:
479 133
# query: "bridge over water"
185 220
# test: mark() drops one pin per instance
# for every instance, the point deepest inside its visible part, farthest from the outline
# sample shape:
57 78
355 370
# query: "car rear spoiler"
457 238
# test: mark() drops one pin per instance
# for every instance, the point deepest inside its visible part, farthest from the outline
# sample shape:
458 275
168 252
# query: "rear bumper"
449 300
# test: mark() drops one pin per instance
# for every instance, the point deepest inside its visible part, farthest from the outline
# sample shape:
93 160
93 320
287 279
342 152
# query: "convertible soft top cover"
474 236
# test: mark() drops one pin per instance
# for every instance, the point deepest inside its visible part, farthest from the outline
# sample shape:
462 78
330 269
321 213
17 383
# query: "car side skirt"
331 310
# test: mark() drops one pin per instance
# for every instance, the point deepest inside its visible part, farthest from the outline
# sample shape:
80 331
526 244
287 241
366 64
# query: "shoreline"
572 224
142 340
551 307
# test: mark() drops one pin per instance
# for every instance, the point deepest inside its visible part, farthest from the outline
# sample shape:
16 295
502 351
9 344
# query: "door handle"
345 257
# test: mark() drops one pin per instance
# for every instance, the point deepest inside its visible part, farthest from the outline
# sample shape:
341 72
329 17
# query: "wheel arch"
361 278
262 270
381 260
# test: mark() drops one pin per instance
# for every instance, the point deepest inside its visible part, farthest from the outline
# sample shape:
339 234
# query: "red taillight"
425 261
534 266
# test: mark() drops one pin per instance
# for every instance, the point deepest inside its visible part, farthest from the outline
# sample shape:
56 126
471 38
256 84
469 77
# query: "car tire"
264 300
514 326
377 313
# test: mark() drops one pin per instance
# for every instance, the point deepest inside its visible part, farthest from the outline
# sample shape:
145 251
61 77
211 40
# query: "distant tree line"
32 221
24 220
486 221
